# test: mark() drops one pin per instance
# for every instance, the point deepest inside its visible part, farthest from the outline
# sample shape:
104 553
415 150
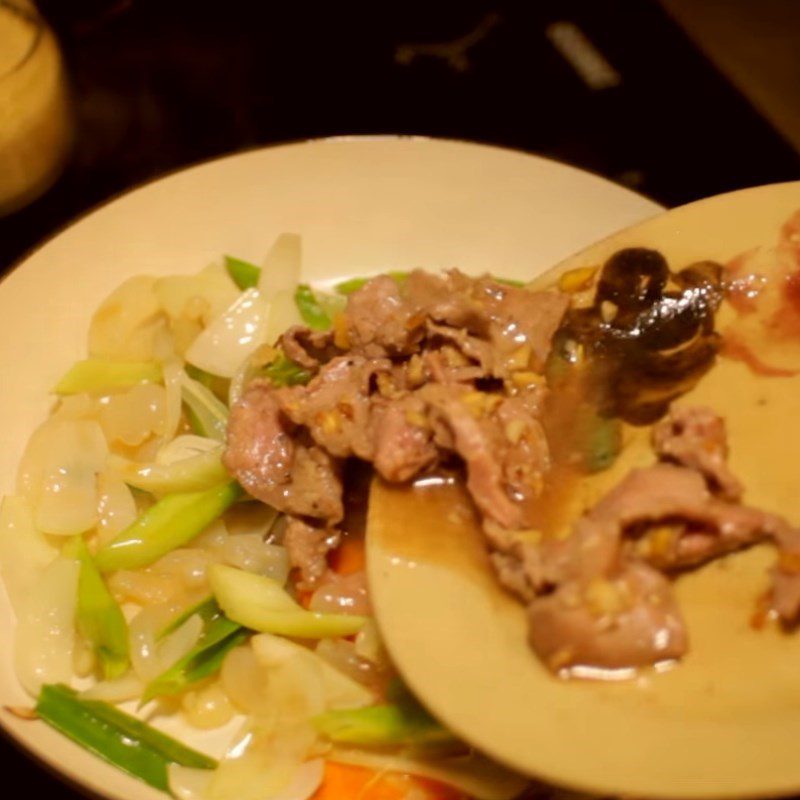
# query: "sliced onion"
173 373
128 687
58 474
44 638
132 416
264 761
282 267
24 551
198 298
127 324
249 551
116 508
339 690
186 446
230 338
207 707
188 783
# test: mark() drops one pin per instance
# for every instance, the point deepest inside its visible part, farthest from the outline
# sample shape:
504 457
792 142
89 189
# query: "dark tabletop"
609 85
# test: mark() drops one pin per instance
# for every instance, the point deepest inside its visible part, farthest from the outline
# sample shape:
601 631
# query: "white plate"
362 205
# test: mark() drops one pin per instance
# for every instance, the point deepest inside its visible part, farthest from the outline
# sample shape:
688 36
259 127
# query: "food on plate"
529 390
186 539
156 599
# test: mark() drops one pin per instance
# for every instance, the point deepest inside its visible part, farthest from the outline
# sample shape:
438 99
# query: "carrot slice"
347 782
350 556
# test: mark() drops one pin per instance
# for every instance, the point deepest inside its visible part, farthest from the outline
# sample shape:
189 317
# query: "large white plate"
362 206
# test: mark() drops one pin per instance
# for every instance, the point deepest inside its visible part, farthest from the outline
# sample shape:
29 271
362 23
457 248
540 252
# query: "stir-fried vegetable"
173 521
97 375
204 659
207 413
401 722
99 617
122 740
245 275
193 474
312 312
353 284
386 725
259 603
285 372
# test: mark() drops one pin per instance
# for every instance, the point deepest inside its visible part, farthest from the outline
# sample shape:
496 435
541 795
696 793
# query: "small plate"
725 722
362 205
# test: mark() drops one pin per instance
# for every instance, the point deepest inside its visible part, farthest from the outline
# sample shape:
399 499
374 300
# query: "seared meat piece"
260 451
308 548
335 405
275 468
695 437
378 321
403 438
307 348
626 619
501 443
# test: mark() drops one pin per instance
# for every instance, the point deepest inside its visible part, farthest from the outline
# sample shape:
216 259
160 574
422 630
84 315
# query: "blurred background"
678 99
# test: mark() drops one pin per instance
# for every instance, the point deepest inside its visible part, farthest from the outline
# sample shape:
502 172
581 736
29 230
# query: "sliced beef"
260 451
275 468
335 405
695 437
307 348
307 547
403 439
379 321
626 619
523 325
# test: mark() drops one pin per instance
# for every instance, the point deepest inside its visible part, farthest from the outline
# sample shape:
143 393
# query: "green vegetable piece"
204 659
208 415
99 618
353 284
192 474
201 376
387 725
261 604
116 737
245 275
207 609
285 372
602 441
95 375
172 522
313 314
510 282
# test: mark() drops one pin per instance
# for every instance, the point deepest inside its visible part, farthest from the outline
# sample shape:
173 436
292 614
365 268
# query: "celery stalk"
116 737
245 275
285 372
312 312
209 415
99 618
353 284
204 659
385 725
172 522
261 604
186 475
96 375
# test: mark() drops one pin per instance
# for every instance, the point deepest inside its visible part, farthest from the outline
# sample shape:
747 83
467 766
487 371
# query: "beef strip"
307 547
274 467
306 347
695 437
658 519
446 364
